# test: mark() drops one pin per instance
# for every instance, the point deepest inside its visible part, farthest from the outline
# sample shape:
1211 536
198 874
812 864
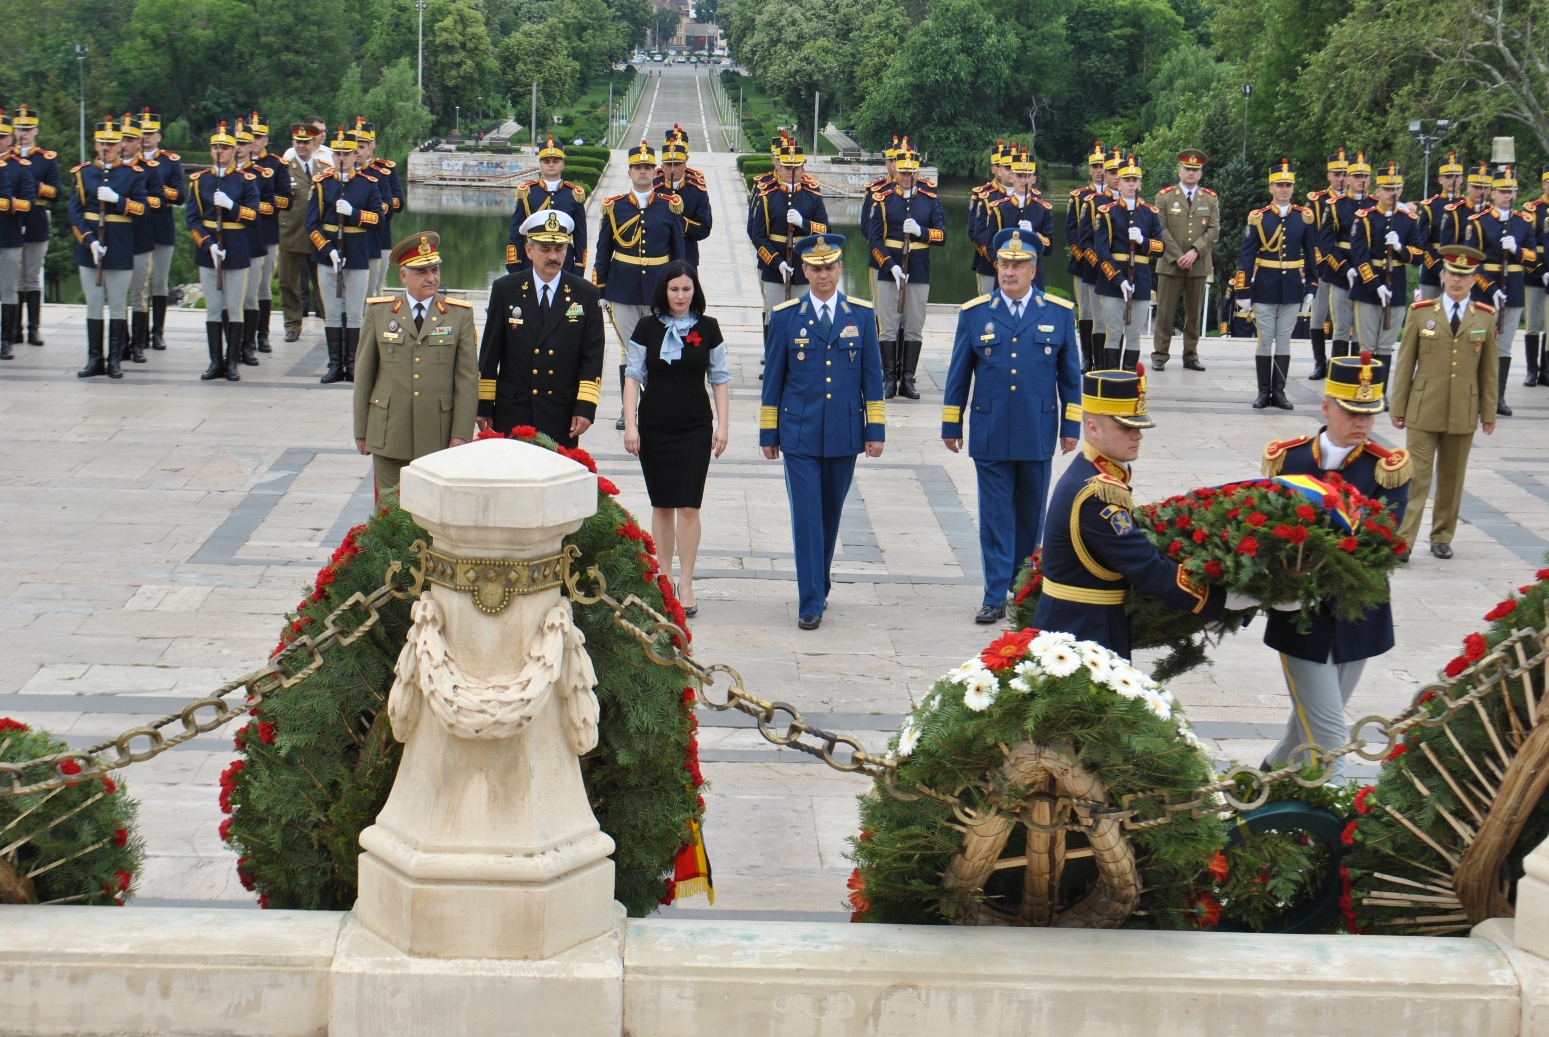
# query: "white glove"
98 250
107 194
1287 606
794 218
1421 298
1136 236
1509 242
343 208
1351 276
1307 301
912 228
1392 239
1128 290
1546 280
1237 602
336 259
218 254
1025 224
1385 294
223 201
1499 298
899 275
786 272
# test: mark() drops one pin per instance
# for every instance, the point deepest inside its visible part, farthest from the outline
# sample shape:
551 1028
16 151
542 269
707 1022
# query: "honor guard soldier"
144 241
1191 222
1093 552
298 269
541 360
549 191
1086 237
1321 326
279 180
1431 214
1385 239
164 220
783 209
1340 218
822 405
222 204
1535 282
418 385
1082 271
1018 349
641 231
1505 237
1323 665
44 167
1448 350
981 234
877 187
1454 224
18 194
391 190
906 223
260 264
343 206
688 186
1127 235
1020 206
106 197
1277 278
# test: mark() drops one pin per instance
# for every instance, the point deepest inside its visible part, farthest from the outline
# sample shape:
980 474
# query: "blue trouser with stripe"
1012 499
1319 692
817 487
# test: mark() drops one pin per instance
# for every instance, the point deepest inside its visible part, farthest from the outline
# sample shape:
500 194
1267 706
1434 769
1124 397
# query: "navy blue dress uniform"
542 367
44 167
1454 224
773 236
1276 270
567 197
109 224
907 255
144 241
391 190
635 242
351 237
212 227
1320 325
1381 264
980 234
1023 362
1006 210
1537 213
1093 552
1502 275
869 194
885 235
1120 259
690 190
821 404
1082 271
284 196
257 251
18 194
1431 214
1321 667
164 222
1339 220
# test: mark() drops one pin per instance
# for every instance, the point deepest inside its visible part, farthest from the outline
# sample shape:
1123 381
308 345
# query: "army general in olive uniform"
1191 223
1444 386
417 368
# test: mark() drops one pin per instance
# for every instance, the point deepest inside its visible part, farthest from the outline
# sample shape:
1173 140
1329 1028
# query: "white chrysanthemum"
966 672
980 690
908 738
1126 683
1027 671
1060 660
1155 704
1046 640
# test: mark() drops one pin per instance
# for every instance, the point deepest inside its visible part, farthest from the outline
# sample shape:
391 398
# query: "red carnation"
1283 531
1298 534
1199 536
1361 797
1248 546
1306 512
1474 647
1213 568
225 829
1006 650
7 724
1542 574
266 732
1456 666
1350 544
1502 610
1256 519
120 837
1399 749
109 786
1173 548
1233 513
1184 522
671 894
1024 592
606 486
1331 500
1334 479
263 901
579 455
123 879
1348 835
524 432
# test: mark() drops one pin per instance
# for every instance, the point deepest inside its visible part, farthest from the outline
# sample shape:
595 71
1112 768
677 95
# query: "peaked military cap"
1015 244
1119 394
1353 383
107 133
343 142
1461 259
5 124
364 130
642 155
128 127
1480 174
1360 166
548 225
25 118
243 134
418 250
551 149
675 145
792 154
1389 175
1098 156
1450 167
1282 172
1193 158
821 249
151 122
1505 179
1021 162
1337 162
302 132
222 137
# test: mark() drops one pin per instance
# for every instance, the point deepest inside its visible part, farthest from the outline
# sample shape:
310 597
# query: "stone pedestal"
487 848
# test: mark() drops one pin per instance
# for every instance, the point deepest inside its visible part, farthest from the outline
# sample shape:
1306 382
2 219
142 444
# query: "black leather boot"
335 339
1339 347
94 362
1500 404
1099 350
351 340
1263 365
118 342
34 318
1319 361
889 368
8 312
619 425
158 321
1084 336
1280 371
906 371
265 307
250 338
139 335
1129 359
1530 347
213 330
233 351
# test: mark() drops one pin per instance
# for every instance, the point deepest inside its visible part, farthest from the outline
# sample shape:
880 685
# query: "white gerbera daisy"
1126 683
1100 667
1046 640
1186 733
1060 660
979 691
1154 703
966 672
931 702
908 738
1027 671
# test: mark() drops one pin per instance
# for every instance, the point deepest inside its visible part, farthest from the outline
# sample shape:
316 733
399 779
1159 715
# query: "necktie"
543 304
419 316
825 323
1456 314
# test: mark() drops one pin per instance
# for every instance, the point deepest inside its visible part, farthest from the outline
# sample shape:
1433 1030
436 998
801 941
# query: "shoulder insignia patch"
464 303
53 154
175 158
1484 307
1119 518
248 176
83 165
1169 189
1056 300
863 303
1304 210
1424 304
319 178
1275 451
1208 191
971 303
375 299
265 171
787 305
1046 205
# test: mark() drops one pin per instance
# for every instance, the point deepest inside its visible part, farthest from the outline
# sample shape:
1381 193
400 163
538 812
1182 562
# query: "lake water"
473 225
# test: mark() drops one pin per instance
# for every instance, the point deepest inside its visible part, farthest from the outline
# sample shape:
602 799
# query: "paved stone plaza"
159 527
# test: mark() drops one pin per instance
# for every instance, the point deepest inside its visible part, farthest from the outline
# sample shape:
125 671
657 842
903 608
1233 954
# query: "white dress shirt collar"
553 285
1329 455
418 307
642 200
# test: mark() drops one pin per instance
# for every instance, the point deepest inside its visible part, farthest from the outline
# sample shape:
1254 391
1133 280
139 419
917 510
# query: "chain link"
293 664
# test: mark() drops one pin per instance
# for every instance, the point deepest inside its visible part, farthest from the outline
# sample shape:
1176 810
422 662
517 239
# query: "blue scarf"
677 327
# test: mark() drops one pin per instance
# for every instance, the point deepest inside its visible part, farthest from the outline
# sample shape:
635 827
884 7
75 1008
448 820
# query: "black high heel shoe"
689 611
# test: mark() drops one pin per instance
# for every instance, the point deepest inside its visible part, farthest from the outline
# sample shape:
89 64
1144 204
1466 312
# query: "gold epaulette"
1394 467
787 304
1304 210
464 303
379 298
863 303
326 174
1056 300
248 176
675 204
971 303
1111 491
522 190
577 192
1256 217
1423 303
175 158
368 176
83 165
1274 454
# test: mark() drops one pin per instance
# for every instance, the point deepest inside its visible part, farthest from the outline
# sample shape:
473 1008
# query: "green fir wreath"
318 760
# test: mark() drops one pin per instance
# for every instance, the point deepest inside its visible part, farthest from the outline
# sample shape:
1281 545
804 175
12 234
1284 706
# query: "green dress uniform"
1191 219
416 383
1444 385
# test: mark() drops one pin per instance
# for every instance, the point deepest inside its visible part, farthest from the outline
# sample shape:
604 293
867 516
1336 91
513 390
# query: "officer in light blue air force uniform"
822 405
1018 347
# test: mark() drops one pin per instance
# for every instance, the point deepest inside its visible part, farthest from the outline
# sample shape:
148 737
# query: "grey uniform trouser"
1343 310
227 300
1370 333
1086 299
349 312
625 317
141 277
1430 291
1111 322
264 268
161 268
1534 308
114 293
885 298
1511 316
33 253
1319 692
1321 305
375 272
10 274
774 295
1275 323
986 283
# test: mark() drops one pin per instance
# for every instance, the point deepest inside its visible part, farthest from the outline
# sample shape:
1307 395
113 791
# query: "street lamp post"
457 126
420 6
1417 131
81 50
1247 92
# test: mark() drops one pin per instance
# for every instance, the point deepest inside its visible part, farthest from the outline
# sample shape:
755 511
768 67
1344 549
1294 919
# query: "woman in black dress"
670 356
